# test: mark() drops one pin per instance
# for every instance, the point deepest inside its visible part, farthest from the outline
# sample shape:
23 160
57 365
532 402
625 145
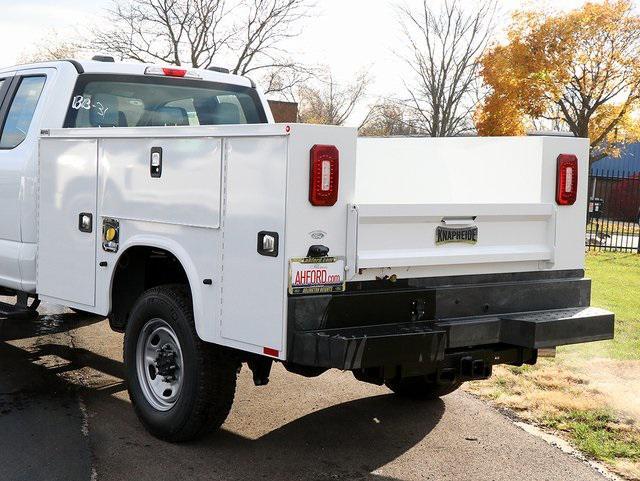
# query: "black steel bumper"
422 322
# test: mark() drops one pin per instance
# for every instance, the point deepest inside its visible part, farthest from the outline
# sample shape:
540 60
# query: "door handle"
85 222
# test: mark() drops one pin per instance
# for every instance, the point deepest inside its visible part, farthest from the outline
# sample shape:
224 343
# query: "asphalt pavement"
65 416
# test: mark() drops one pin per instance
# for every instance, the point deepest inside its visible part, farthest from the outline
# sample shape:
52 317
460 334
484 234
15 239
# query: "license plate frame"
316 267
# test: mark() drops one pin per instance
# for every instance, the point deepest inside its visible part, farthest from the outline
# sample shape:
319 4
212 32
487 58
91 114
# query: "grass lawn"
615 286
589 393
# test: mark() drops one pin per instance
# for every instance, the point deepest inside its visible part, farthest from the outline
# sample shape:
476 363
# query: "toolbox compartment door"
253 286
67 249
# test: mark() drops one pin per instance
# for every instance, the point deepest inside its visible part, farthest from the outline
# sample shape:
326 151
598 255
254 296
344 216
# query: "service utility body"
168 200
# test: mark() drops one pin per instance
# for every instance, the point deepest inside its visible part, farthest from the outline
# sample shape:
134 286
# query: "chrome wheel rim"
159 364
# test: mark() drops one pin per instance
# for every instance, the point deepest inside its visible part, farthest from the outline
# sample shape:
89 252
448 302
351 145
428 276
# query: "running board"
20 310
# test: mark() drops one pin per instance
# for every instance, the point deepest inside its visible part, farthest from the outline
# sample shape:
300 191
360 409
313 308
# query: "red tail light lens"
567 179
324 175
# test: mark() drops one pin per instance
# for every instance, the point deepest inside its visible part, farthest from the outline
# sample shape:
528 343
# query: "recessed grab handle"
459 220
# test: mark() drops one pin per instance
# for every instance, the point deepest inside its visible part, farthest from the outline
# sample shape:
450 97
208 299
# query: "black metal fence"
613 212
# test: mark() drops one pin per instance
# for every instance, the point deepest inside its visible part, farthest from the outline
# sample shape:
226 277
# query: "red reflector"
270 352
567 179
324 175
174 72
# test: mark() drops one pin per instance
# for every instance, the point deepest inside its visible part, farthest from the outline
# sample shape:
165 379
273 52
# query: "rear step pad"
370 346
18 311
556 328
532 330
426 341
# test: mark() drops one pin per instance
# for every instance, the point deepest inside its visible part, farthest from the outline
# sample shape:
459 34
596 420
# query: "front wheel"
420 387
180 386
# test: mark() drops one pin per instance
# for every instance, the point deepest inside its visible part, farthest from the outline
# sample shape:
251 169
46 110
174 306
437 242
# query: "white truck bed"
222 185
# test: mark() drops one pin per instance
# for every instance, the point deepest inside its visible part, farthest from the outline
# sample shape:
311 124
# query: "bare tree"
246 33
388 118
330 103
444 49
52 46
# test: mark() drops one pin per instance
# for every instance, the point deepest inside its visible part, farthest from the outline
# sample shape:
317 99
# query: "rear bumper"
330 332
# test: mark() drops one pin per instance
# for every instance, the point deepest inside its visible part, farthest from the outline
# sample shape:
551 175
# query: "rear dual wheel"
180 386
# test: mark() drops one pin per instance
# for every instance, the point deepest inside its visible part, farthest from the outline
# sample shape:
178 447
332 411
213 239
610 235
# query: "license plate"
313 275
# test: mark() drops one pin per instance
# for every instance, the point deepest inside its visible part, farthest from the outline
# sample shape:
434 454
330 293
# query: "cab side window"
4 83
21 112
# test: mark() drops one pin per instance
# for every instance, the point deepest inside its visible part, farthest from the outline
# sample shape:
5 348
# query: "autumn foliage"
578 70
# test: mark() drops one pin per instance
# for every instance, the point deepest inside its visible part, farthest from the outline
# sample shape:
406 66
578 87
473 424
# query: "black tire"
209 382
420 387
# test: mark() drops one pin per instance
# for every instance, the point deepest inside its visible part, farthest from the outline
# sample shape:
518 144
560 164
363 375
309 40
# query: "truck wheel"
180 386
420 388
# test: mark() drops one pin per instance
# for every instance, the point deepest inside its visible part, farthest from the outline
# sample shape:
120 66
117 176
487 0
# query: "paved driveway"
65 415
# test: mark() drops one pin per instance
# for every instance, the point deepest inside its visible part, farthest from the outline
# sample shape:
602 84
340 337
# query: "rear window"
138 101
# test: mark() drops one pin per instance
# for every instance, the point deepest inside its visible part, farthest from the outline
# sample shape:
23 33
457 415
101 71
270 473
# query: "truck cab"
37 96
167 199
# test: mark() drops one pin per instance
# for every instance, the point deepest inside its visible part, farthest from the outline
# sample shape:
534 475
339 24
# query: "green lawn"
566 394
615 286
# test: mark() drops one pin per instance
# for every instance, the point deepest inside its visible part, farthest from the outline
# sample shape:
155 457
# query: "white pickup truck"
168 200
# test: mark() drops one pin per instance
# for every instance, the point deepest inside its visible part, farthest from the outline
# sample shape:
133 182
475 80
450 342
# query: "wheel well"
140 268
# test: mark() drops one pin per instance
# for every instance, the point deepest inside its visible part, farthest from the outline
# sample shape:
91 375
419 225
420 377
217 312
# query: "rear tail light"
567 179
324 175
171 72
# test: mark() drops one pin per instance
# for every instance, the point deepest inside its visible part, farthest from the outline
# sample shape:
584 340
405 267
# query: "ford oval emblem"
317 234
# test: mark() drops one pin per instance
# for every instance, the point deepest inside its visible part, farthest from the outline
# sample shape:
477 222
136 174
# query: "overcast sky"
348 35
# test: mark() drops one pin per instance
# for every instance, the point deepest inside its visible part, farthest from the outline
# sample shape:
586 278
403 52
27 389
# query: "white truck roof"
92 66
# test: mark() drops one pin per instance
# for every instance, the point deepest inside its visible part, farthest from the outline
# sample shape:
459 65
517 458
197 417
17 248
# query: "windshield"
140 101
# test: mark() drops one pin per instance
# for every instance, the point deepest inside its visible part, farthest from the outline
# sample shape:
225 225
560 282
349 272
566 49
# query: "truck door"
67 220
19 104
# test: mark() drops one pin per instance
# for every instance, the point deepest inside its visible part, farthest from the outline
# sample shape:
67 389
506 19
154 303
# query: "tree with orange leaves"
579 69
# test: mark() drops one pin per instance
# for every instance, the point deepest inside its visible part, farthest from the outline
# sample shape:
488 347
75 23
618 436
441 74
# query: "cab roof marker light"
171 72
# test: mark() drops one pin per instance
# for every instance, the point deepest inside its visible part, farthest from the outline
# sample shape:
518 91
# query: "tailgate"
406 235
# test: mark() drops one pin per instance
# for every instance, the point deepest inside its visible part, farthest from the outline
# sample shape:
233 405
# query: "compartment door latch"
155 162
268 243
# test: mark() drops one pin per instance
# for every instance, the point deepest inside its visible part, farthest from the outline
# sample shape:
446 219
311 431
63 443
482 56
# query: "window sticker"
81 102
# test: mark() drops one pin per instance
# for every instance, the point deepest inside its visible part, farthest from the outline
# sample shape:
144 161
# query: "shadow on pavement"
344 441
15 329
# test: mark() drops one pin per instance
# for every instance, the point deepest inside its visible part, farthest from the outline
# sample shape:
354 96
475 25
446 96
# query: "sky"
350 36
